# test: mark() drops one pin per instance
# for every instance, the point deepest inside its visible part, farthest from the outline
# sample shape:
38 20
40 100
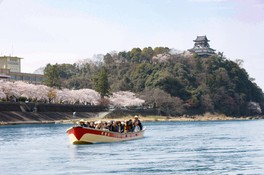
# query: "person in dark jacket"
119 127
109 126
115 126
130 125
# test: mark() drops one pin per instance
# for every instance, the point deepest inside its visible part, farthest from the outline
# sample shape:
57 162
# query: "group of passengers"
115 126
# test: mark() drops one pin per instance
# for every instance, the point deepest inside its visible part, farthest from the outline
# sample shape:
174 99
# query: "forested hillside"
174 83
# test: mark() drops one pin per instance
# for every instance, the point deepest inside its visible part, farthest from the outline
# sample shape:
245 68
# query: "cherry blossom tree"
161 57
64 96
125 98
42 93
9 89
31 91
88 96
82 96
2 95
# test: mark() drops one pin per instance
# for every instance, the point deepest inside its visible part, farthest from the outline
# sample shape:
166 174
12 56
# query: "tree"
125 98
101 83
163 101
51 75
239 62
108 59
135 55
2 95
52 94
126 84
161 50
147 54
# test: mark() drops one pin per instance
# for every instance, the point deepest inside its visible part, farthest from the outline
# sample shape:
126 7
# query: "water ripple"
227 147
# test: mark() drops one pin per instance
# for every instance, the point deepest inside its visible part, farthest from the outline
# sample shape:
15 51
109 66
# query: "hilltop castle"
201 47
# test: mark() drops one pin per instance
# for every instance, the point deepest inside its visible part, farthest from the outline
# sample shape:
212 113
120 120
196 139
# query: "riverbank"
205 117
13 118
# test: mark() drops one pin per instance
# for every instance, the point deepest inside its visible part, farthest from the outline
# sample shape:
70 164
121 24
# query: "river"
214 147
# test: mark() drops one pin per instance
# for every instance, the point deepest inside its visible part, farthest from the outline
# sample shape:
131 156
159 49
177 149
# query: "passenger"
109 126
82 123
92 125
98 125
130 126
123 126
104 127
138 123
115 127
88 124
120 129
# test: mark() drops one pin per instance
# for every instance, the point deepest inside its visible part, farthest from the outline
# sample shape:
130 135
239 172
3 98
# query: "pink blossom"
125 98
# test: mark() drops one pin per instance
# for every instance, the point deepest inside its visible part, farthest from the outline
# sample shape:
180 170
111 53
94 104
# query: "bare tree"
164 102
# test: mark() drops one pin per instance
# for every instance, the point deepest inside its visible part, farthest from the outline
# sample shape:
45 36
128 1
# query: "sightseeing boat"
84 135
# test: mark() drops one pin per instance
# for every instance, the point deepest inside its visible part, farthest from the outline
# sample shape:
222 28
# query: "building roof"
10 57
201 38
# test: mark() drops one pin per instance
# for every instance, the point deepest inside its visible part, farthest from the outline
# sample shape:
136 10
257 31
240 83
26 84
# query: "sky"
66 31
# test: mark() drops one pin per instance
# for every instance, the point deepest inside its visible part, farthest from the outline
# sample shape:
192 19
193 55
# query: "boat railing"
106 130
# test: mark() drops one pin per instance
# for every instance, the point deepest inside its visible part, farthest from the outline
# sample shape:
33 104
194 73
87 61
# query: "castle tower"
202 47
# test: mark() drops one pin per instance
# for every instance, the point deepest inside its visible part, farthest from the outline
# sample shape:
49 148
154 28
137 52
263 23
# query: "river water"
217 147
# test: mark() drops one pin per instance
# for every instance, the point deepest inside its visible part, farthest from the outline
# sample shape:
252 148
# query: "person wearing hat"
137 123
82 123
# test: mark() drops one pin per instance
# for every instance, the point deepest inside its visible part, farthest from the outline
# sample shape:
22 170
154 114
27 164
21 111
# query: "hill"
173 83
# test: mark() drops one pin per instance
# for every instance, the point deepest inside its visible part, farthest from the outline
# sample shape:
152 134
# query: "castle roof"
201 38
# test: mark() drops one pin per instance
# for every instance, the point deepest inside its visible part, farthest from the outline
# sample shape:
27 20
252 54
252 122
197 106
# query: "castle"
202 47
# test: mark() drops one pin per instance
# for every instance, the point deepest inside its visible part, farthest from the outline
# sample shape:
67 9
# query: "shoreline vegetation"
150 118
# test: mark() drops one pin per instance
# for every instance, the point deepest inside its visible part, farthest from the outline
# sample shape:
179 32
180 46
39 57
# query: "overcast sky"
65 31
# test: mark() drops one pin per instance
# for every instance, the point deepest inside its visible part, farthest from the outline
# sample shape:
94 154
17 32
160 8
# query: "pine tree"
101 83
